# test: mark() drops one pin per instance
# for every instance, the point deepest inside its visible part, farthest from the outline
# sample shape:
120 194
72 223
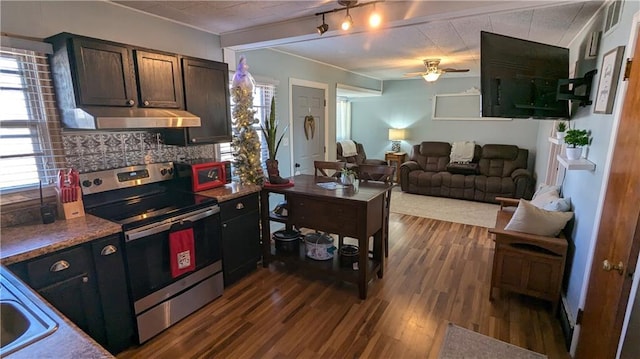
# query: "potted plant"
347 176
560 128
270 132
575 140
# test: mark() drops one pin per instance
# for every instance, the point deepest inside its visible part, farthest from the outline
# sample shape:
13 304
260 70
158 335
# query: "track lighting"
374 19
323 28
348 21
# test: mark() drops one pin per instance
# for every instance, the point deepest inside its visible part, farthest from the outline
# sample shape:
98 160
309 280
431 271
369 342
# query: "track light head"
348 21
322 28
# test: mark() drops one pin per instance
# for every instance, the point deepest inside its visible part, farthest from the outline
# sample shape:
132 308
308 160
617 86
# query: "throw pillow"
544 188
551 201
528 218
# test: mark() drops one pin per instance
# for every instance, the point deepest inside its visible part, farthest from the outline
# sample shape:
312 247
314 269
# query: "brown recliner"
495 171
360 158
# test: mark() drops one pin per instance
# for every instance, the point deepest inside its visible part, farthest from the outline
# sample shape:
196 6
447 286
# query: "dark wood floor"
437 272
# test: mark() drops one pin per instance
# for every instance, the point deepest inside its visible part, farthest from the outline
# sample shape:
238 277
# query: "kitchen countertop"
24 242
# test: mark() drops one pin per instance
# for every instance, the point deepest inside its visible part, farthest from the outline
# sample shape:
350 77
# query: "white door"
308 128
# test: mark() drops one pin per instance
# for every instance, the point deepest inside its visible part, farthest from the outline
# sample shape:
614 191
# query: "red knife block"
70 210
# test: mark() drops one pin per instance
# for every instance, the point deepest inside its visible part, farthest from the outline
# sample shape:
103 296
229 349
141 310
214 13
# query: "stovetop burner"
139 195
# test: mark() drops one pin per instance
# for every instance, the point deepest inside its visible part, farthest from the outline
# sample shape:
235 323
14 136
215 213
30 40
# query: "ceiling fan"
433 72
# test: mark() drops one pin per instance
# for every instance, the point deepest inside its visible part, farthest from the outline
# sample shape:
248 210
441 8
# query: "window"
262 104
343 119
27 120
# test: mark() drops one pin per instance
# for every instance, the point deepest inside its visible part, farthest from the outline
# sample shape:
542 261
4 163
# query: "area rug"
444 209
464 343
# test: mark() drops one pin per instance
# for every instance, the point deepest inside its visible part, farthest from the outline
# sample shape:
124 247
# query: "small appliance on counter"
69 194
202 174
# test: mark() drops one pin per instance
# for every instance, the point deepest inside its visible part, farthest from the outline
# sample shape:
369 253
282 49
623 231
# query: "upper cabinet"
159 80
103 73
206 93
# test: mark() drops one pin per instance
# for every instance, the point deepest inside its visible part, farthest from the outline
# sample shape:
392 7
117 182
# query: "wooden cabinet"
101 71
528 264
67 280
159 79
240 237
206 93
112 286
87 284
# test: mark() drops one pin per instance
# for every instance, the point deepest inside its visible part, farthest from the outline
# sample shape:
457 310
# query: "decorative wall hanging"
309 126
609 74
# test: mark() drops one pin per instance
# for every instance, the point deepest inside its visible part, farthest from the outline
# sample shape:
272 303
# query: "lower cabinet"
87 284
240 237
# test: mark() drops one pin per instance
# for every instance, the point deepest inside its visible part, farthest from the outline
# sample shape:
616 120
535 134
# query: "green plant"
348 171
270 132
561 126
575 138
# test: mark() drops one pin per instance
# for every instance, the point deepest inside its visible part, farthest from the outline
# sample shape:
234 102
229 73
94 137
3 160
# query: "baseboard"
567 324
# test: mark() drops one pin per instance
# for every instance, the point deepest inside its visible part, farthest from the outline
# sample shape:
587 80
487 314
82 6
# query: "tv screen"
519 78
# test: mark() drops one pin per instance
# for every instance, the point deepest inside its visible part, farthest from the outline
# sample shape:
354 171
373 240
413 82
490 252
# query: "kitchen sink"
23 317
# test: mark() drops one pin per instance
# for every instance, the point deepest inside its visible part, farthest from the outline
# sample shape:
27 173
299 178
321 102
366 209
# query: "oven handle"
165 225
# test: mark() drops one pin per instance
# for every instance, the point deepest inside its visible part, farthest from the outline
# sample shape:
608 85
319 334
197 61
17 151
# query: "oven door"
148 253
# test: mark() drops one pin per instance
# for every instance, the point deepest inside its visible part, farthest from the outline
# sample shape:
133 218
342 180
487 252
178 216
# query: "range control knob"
86 183
163 171
97 181
170 171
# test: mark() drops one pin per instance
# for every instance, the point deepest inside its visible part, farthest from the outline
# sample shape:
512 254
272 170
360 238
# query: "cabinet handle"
239 205
108 250
131 102
85 279
193 140
224 225
59 266
146 103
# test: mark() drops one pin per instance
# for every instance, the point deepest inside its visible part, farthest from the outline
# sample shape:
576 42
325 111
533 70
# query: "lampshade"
396 134
431 76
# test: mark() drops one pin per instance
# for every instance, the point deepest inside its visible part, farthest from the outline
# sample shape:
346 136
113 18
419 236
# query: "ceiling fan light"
431 76
346 24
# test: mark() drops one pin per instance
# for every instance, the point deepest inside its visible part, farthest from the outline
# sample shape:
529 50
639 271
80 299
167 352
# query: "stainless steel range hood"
111 118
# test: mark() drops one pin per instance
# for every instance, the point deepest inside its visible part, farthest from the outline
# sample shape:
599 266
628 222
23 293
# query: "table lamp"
395 136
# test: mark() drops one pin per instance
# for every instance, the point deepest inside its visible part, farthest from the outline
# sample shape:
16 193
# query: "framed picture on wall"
609 74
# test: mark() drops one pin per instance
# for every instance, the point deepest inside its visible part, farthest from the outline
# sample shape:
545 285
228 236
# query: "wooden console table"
356 212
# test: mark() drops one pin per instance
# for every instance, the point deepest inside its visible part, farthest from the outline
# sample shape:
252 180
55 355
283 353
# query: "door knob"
607 266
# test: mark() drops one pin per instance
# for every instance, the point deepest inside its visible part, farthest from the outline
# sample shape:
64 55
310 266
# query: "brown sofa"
495 171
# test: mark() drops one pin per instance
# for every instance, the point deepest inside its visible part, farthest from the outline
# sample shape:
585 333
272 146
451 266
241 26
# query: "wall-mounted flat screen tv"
519 78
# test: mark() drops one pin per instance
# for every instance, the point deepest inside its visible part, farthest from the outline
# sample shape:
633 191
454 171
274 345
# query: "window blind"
30 141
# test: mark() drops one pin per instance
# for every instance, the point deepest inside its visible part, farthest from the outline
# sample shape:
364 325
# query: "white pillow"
551 201
544 188
528 218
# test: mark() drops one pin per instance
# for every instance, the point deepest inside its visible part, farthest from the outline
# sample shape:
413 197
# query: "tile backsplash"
102 150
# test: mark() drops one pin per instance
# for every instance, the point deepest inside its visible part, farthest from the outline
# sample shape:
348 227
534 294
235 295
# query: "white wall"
107 21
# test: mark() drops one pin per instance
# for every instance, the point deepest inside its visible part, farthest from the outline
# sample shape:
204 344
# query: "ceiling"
411 30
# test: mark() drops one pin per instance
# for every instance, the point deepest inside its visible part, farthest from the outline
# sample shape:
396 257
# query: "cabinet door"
240 237
77 298
159 80
206 86
104 74
112 286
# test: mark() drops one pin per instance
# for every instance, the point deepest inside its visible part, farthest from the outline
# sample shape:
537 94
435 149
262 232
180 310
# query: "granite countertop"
28 241
231 191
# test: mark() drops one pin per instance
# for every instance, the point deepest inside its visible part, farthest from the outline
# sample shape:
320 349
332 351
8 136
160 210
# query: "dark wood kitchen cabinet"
159 79
240 237
67 280
102 71
206 94
112 286
87 284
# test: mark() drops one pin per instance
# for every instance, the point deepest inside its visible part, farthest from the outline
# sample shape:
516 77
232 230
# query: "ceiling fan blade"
414 74
454 70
